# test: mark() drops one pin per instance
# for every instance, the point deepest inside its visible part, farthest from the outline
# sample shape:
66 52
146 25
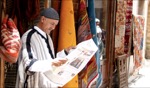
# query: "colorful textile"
67 34
11 41
128 26
91 14
120 27
84 31
138 34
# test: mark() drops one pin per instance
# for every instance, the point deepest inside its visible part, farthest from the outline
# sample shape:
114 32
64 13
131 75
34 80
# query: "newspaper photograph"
77 60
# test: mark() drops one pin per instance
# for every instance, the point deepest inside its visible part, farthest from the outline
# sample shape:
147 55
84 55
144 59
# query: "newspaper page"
77 60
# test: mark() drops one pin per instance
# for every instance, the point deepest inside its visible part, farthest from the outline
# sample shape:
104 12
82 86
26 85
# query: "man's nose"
53 27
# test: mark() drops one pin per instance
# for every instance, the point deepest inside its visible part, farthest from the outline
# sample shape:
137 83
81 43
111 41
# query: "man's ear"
42 19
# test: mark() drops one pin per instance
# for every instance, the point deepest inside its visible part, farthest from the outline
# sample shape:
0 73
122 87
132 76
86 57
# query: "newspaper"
77 60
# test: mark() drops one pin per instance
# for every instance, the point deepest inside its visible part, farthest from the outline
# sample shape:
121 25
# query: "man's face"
97 23
49 24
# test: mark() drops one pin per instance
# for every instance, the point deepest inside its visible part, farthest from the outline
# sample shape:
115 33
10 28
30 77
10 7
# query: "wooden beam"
2 62
2 73
110 39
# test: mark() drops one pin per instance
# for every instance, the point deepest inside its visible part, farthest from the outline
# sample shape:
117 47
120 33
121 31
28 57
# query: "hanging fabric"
120 27
32 9
1 11
138 34
11 41
25 11
91 15
84 31
35 21
19 12
128 26
67 33
9 7
56 5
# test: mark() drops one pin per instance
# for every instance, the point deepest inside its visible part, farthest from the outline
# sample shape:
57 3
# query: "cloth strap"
46 40
29 54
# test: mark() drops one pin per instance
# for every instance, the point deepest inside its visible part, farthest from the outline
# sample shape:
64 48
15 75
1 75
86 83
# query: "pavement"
142 79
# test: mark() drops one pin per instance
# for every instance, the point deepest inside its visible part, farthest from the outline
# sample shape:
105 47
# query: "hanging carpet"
67 33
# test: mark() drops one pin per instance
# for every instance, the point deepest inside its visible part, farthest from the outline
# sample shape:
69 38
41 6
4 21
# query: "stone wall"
147 52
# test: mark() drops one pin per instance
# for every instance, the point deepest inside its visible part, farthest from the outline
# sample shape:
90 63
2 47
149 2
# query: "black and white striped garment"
35 58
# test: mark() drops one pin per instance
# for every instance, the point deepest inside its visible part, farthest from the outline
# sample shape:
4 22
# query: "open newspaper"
77 60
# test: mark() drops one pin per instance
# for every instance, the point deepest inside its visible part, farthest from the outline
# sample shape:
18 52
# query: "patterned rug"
138 34
128 26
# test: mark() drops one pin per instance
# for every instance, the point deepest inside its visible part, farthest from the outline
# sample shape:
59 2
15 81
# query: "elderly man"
37 53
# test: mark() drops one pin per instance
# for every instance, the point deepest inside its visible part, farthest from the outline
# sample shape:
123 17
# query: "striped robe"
40 61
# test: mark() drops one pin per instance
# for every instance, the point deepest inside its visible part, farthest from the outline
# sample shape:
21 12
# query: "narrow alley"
143 77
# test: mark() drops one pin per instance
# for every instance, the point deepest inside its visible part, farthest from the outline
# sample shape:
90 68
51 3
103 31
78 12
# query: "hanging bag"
10 39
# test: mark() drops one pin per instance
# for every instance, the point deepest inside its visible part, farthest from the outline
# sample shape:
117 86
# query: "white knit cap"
97 20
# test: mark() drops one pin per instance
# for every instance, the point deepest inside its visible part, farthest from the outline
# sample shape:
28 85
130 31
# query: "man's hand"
67 50
59 62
